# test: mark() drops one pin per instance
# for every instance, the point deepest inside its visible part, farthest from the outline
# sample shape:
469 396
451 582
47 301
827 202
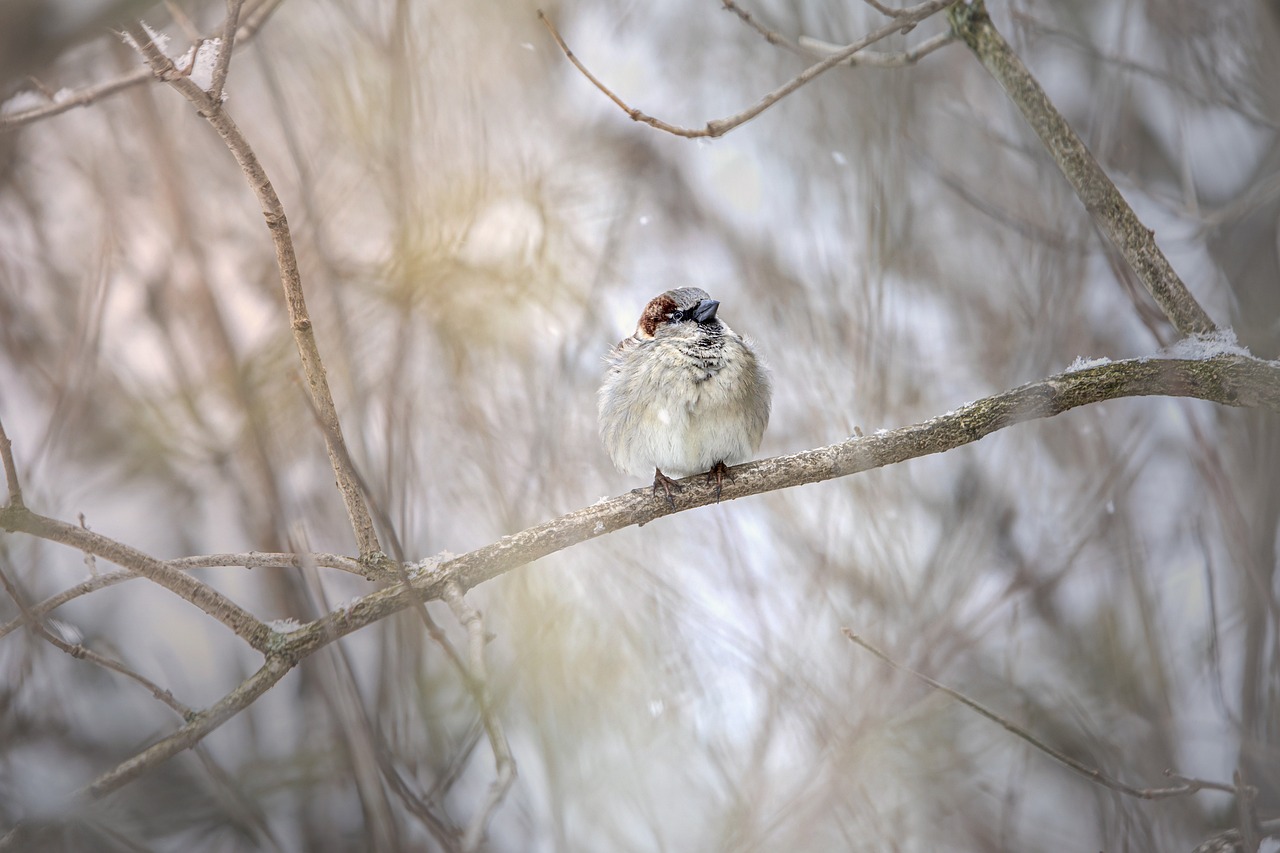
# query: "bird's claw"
668 486
718 474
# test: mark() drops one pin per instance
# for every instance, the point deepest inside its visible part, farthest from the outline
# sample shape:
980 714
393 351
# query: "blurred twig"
871 59
811 47
1184 788
1101 198
10 469
1232 841
903 20
1246 814
505 764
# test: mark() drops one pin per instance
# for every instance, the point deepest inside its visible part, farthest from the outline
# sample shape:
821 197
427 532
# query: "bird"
683 395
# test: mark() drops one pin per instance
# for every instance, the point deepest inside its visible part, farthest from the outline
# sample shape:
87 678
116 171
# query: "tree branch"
252 560
1233 380
69 99
223 64
904 20
1104 202
811 47
82 652
212 602
194 731
1230 379
291 280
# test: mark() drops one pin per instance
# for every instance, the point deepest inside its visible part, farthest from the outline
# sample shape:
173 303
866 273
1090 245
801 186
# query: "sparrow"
683 395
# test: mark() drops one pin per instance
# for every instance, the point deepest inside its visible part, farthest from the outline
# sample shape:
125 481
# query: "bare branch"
252 560
811 47
905 20
81 652
1104 202
223 64
273 669
871 59
505 764
69 99
1091 773
771 36
212 602
291 280
1234 380
883 9
267 560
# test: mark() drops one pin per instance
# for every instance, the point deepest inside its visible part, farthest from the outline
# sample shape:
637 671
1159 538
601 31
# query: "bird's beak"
706 311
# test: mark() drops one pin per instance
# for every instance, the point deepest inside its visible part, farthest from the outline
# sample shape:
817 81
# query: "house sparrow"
684 394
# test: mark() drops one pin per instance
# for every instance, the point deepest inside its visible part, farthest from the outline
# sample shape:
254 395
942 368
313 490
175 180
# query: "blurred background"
476 225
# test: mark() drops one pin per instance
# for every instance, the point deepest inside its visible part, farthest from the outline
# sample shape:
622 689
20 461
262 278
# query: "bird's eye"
678 317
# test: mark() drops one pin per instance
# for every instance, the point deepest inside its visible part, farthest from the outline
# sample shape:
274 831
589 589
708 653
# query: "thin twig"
69 99
208 599
872 59
505 764
223 63
1200 784
183 20
1062 758
718 127
81 652
201 724
771 36
883 9
10 469
251 560
291 281
811 47
1104 202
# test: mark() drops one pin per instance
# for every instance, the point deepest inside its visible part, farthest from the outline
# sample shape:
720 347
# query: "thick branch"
1104 202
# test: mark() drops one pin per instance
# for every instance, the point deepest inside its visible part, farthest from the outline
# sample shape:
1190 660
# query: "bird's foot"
667 484
718 474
